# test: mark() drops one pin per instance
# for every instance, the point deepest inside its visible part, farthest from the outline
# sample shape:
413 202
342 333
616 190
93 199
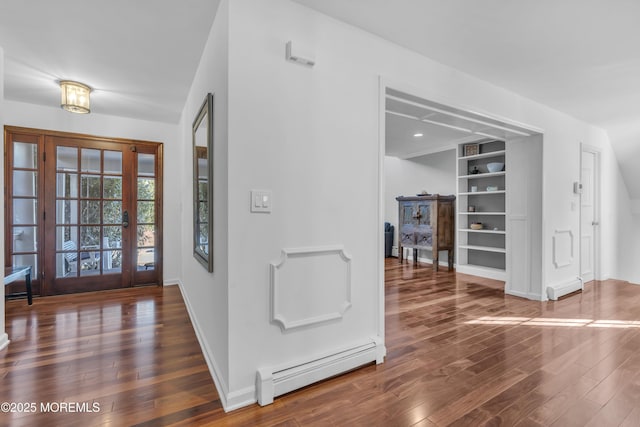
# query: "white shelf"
482 213
477 193
484 248
483 175
484 155
469 230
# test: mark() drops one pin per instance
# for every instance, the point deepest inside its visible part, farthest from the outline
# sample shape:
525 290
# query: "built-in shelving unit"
482 199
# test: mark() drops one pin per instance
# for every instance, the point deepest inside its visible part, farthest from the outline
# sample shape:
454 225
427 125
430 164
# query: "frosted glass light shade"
75 97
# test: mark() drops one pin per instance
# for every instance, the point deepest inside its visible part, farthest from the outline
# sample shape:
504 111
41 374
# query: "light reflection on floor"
546 321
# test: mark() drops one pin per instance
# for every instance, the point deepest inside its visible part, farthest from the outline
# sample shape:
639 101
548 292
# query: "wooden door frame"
41 135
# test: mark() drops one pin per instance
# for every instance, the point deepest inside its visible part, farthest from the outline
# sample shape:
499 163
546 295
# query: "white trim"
170 282
562 263
282 319
4 341
380 312
227 400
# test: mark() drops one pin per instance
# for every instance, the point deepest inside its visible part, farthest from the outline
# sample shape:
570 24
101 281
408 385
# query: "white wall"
627 230
310 135
55 118
434 173
206 294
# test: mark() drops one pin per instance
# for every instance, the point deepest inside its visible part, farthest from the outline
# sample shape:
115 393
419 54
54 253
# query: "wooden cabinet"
426 222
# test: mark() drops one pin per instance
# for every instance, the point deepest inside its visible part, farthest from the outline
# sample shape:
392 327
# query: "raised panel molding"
309 286
562 248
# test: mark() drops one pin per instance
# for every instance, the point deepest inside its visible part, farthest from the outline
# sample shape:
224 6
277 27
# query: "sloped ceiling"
581 57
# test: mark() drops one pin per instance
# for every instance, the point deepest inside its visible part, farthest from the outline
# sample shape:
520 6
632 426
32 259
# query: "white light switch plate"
261 201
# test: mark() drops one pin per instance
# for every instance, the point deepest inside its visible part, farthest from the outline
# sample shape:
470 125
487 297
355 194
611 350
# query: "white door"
588 216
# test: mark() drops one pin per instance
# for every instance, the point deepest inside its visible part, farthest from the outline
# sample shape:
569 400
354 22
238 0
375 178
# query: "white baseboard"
557 290
534 297
171 282
4 340
223 391
278 380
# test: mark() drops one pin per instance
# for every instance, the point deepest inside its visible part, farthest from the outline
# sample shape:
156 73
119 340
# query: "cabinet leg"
450 253
415 257
436 261
400 254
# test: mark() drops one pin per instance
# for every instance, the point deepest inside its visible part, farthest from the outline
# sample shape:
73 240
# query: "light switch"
261 201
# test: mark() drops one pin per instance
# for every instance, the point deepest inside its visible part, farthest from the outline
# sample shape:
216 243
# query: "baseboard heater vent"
272 382
561 289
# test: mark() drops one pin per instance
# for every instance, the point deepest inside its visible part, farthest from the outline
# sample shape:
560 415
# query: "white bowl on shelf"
495 166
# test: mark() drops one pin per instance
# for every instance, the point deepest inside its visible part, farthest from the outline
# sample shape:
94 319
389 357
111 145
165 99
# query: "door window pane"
25 155
90 186
112 262
113 162
112 237
146 212
30 259
66 211
90 237
146 188
25 239
146 259
146 165
24 211
67 264
146 235
112 187
67 185
112 212
90 160
67 159
66 238
89 212
25 183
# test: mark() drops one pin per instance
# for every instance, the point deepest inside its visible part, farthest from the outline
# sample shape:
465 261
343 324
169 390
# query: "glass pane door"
22 214
86 208
84 212
88 213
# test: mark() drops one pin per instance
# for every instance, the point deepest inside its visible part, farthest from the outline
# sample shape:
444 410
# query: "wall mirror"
203 184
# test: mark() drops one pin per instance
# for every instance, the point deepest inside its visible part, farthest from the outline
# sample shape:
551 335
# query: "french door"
90 209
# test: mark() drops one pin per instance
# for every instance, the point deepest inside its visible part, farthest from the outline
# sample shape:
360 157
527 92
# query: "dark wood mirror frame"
203 184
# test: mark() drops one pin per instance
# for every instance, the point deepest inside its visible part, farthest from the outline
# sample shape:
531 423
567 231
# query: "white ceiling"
578 56
139 56
581 57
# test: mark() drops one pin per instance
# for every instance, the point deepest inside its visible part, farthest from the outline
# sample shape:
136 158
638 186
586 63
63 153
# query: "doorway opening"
84 212
491 165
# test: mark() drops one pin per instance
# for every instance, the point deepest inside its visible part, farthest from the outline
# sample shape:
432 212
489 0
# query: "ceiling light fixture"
417 135
75 97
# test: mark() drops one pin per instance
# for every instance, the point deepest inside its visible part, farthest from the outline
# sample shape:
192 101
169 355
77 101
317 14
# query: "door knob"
595 223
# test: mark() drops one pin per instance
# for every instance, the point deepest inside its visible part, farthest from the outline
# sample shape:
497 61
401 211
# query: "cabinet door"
445 225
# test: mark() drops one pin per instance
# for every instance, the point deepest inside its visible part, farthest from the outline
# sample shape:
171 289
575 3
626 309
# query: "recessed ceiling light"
417 135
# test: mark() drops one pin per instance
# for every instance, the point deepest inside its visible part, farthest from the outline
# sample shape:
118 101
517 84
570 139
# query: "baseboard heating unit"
276 381
561 289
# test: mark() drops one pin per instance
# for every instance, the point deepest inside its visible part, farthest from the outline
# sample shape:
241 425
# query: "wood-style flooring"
460 353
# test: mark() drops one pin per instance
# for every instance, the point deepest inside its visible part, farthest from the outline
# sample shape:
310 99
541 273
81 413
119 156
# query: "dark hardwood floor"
460 352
